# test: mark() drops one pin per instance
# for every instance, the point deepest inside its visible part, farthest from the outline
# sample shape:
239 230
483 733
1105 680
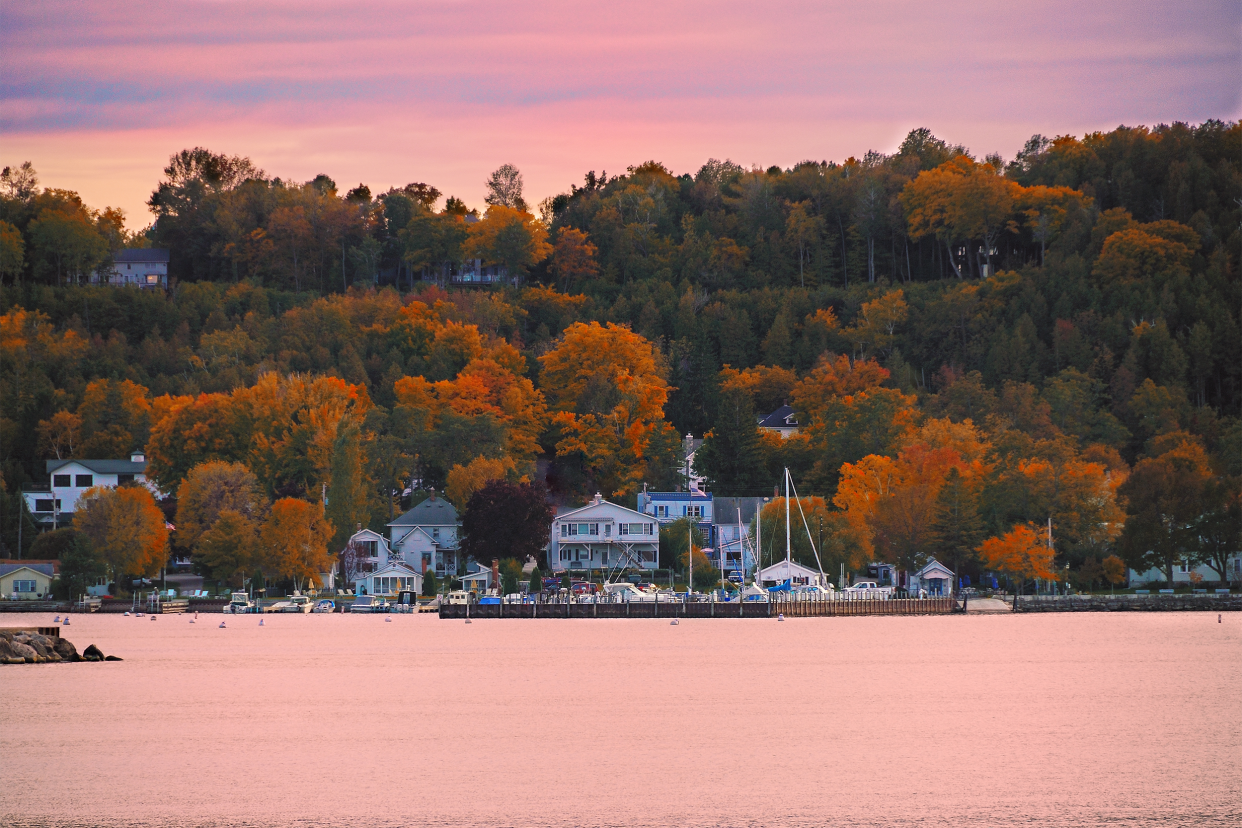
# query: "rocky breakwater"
28 647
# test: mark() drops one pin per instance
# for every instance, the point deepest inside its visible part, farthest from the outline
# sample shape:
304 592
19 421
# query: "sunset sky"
99 95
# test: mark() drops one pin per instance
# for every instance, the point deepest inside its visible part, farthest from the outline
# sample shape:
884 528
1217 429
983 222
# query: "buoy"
56 620
127 613
467 620
388 619
673 623
1217 618
221 625
780 617
191 620
260 622
66 621
153 617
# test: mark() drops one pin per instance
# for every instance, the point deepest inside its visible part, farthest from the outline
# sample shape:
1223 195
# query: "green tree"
730 458
536 582
80 567
12 252
430 585
230 546
957 529
67 243
674 537
348 491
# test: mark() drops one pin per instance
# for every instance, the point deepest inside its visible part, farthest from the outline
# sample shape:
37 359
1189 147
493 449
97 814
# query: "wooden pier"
793 607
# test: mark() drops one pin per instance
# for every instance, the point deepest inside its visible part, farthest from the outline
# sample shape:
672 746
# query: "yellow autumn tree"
464 481
1022 552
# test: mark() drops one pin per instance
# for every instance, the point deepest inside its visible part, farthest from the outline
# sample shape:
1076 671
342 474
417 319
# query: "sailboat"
788 586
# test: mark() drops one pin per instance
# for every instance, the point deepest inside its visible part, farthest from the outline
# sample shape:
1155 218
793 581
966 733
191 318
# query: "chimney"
496 574
598 498
137 457
359 527
433 494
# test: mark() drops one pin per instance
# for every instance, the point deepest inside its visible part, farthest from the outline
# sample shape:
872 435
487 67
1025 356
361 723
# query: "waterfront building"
51 506
27 580
428 537
781 571
602 536
389 579
782 421
935 578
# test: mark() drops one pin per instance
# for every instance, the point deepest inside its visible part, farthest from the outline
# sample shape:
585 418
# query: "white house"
603 535
782 421
52 506
1183 571
780 572
935 579
732 535
136 267
426 537
388 580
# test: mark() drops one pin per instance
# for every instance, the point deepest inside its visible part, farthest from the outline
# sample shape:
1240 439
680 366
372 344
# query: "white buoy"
66 621
673 623
221 625
56 620
780 617
191 620
127 613
467 620
388 619
153 617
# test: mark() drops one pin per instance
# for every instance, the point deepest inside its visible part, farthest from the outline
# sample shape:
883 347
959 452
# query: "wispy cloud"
563 86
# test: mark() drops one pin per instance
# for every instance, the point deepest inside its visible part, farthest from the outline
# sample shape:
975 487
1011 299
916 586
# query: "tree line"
972 347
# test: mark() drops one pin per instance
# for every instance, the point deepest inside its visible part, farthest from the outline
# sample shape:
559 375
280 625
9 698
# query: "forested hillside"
972 347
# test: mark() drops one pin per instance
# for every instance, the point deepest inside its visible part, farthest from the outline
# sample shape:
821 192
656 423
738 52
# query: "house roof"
694 494
101 466
795 567
392 566
148 255
594 505
434 511
782 417
48 568
935 566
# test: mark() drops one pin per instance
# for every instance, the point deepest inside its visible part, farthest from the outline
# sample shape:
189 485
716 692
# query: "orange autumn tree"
607 394
1022 553
295 541
125 528
891 502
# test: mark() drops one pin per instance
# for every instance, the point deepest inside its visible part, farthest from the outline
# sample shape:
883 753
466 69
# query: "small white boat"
368 603
298 603
325 605
239 602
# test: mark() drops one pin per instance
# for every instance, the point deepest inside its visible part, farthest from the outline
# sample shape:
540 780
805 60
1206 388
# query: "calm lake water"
1118 719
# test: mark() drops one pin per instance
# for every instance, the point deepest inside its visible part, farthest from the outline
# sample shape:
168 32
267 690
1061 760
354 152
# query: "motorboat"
627 593
325 605
458 596
298 603
368 603
239 602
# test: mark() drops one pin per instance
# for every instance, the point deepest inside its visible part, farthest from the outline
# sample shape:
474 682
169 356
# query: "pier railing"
790 606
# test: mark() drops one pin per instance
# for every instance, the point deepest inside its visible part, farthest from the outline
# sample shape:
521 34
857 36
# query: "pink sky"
99 95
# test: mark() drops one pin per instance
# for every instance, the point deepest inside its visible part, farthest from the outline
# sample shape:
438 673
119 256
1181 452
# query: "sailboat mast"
689 551
788 568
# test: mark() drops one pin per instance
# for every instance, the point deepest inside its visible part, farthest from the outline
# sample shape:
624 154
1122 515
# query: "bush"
430 586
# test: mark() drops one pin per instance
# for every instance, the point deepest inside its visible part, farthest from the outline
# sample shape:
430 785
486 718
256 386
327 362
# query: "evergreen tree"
957 529
347 493
730 456
430 585
536 582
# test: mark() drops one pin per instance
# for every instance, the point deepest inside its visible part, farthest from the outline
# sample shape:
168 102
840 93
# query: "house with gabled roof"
783 421
27 580
52 506
145 267
428 537
603 536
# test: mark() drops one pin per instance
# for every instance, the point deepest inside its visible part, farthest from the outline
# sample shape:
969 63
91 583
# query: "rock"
6 649
38 646
65 649
24 651
92 653
113 658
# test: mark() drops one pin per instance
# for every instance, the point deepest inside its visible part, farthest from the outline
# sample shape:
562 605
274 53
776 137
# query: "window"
84 481
564 554
694 511
584 528
24 586
152 278
44 505
62 480
661 511
573 529
594 528
649 528
121 479
435 533
564 530
607 530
